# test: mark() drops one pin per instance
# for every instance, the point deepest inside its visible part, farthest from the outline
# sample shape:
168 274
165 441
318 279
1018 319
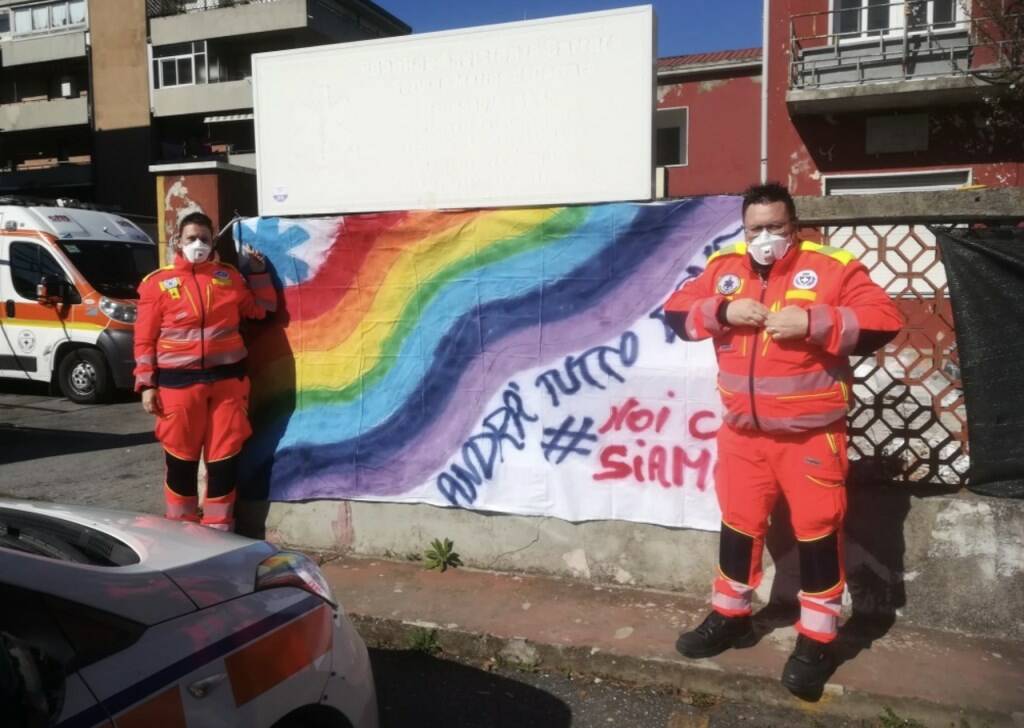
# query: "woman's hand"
257 261
151 402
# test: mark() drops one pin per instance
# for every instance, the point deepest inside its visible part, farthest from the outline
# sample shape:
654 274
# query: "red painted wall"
802 149
724 135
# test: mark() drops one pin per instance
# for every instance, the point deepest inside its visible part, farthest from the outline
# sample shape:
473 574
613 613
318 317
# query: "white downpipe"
765 15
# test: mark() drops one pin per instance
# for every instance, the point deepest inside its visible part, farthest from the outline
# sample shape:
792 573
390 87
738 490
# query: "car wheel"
83 377
313 717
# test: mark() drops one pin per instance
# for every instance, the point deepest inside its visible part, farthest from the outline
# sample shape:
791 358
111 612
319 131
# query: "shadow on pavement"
18 444
414 689
42 389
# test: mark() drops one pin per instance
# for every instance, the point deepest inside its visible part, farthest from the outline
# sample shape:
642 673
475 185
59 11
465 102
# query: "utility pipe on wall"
765 15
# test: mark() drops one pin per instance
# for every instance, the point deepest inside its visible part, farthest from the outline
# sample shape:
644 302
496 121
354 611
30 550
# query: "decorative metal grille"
909 421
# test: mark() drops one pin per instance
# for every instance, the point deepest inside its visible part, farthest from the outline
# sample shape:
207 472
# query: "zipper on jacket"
753 357
202 320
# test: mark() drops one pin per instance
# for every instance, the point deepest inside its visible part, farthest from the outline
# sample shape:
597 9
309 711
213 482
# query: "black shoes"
808 668
716 634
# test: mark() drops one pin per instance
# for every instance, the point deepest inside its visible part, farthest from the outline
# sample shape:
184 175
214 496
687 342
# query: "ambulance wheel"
83 377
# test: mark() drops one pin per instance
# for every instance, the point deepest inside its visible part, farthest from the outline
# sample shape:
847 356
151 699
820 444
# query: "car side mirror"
31 685
52 290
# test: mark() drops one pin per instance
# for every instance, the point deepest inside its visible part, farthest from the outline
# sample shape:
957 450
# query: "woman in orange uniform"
190 367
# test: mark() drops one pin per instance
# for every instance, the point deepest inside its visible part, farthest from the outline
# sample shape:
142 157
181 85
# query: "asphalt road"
56 450
415 689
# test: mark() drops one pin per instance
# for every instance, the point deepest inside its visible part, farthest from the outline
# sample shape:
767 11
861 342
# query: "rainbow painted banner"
513 360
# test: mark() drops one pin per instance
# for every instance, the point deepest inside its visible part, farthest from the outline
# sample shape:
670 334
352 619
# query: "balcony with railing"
179 21
164 8
868 54
42 31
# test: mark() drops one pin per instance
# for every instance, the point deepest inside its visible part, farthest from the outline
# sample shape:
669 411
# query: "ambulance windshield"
114 269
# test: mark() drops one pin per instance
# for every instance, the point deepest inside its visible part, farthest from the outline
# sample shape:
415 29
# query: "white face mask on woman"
767 247
196 251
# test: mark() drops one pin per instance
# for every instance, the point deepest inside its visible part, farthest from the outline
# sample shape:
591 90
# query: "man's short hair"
766 194
196 218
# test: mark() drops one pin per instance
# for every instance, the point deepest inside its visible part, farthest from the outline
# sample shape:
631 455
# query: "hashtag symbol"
566 440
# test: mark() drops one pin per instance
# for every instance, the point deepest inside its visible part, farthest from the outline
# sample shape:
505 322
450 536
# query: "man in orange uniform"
784 316
190 368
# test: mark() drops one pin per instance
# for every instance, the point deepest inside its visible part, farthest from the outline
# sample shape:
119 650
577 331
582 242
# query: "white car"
112 618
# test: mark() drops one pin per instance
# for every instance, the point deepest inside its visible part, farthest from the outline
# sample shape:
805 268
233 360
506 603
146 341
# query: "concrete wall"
222 22
724 132
202 98
54 47
954 562
44 114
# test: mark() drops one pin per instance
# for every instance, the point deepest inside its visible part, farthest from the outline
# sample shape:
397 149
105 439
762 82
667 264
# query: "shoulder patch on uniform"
158 270
843 256
734 249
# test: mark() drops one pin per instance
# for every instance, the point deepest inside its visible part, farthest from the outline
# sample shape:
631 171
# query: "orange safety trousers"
207 419
809 469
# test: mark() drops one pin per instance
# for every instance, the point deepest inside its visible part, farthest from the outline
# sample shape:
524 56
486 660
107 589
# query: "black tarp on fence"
985 270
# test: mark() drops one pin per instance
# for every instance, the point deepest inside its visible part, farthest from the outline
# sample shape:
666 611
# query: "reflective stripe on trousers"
819 615
731 598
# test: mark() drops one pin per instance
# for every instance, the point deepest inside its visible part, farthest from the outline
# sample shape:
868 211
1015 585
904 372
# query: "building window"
5 23
671 126
873 184
48 17
864 18
182 64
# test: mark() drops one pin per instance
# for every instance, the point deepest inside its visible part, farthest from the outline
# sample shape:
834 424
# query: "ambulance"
68 278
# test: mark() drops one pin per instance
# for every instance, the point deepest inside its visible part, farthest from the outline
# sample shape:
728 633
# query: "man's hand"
151 402
257 261
746 312
790 323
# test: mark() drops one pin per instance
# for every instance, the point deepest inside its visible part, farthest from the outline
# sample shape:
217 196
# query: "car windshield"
113 268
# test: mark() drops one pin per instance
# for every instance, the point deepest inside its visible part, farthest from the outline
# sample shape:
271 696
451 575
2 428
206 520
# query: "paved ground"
416 689
53 449
627 634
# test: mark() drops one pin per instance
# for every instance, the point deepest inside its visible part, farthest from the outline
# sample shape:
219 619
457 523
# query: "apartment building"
871 96
93 92
862 96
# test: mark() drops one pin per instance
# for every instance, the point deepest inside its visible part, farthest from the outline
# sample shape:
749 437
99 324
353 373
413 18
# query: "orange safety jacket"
189 316
796 385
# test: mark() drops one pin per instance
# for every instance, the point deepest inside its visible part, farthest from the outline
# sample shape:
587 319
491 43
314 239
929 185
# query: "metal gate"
909 420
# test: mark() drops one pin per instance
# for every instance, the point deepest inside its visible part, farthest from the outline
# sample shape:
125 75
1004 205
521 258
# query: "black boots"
808 668
716 634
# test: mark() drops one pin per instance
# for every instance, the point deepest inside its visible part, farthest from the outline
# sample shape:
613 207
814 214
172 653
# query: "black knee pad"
819 563
182 475
735 552
221 477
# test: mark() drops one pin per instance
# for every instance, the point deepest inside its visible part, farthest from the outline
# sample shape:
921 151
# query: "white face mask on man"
196 251
767 247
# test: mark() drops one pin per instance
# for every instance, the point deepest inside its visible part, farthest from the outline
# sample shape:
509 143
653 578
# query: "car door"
246 662
47 687
30 331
